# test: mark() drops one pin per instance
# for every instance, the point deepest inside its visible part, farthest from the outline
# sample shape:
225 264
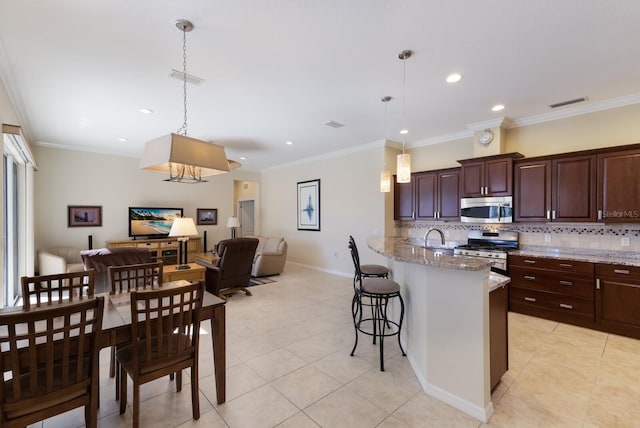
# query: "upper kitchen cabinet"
404 200
619 186
488 176
557 188
431 195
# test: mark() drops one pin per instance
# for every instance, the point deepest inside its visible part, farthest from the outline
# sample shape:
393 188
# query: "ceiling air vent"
180 76
568 102
334 124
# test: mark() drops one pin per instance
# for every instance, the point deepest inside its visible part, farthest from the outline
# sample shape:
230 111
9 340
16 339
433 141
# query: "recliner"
232 272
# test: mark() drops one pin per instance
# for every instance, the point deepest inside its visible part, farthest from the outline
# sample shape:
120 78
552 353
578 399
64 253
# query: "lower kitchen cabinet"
556 289
618 299
498 334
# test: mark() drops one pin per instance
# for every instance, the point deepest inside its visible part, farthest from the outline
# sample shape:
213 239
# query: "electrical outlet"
625 241
547 237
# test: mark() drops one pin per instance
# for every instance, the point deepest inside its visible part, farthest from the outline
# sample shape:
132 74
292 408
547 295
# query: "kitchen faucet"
432 230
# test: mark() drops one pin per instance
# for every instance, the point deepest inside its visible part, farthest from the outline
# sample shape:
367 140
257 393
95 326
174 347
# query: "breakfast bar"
446 330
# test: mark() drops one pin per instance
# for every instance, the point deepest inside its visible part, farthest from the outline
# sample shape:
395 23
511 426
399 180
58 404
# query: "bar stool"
369 270
376 291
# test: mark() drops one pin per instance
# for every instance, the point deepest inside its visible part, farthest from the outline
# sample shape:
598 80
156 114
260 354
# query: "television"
151 222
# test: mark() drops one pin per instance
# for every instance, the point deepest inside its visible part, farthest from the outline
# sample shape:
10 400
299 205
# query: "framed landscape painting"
309 205
207 216
84 215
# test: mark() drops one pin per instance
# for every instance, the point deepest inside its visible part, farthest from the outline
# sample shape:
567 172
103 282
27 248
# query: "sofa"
270 257
55 260
100 259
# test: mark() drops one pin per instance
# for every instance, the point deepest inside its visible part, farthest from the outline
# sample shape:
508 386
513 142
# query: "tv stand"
163 249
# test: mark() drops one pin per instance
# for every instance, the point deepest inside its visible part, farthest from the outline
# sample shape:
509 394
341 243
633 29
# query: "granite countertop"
496 281
402 250
582 255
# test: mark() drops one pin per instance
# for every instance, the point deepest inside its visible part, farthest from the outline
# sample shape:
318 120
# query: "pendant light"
186 159
404 160
385 175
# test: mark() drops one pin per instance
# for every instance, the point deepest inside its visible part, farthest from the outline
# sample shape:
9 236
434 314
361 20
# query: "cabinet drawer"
551 281
618 271
553 301
169 244
146 245
554 264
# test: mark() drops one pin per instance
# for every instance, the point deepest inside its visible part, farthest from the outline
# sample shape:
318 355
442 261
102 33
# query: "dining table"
116 326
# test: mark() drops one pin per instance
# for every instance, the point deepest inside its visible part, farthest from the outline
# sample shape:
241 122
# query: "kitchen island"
446 327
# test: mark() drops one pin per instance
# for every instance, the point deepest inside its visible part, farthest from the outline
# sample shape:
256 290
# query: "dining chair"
50 362
165 330
124 278
49 289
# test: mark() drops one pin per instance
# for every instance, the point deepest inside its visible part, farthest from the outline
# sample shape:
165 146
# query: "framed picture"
84 215
207 216
309 205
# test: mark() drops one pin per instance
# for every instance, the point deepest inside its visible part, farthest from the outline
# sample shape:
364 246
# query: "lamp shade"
233 222
385 181
404 168
173 151
183 227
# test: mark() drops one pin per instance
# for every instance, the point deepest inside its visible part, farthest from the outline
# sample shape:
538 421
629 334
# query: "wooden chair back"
125 278
165 333
49 360
49 289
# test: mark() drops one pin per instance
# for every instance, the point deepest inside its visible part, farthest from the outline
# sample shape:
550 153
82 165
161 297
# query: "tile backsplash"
583 236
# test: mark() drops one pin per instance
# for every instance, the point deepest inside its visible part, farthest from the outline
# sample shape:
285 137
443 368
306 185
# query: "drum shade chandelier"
186 159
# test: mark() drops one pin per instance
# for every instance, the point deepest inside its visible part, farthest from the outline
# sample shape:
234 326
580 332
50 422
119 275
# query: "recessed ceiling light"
146 111
404 131
497 107
454 77
289 143
243 158
124 140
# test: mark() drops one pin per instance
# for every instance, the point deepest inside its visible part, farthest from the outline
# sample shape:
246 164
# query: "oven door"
486 210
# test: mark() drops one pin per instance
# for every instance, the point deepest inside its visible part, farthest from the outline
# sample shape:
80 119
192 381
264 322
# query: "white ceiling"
277 70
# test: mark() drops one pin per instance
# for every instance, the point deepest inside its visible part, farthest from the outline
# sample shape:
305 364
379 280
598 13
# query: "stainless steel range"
489 245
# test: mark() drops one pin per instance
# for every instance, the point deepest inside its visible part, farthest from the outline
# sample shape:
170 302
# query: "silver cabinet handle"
566 283
530 299
531 262
553 215
621 271
566 265
565 306
530 278
486 190
548 215
438 214
597 283
435 214
599 214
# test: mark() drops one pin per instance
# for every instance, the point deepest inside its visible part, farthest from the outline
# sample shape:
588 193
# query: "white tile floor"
288 365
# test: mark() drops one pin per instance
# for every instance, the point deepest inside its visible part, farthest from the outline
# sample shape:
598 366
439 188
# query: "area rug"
261 280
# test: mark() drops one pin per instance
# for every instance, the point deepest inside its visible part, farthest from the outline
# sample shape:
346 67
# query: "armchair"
55 260
270 257
232 272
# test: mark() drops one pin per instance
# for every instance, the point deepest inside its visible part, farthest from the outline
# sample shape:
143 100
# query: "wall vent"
180 76
334 124
568 102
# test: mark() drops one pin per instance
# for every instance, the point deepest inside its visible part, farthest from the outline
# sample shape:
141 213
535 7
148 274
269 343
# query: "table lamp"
183 228
233 223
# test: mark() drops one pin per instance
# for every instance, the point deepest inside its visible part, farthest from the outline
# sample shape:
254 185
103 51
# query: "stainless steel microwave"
487 210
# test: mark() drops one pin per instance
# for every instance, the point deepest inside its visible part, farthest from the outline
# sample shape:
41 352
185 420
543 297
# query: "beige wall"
68 177
350 204
607 128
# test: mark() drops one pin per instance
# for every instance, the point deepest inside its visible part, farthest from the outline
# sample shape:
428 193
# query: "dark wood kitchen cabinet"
619 186
618 299
404 200
431 195
498 334
556 289
488 176
558 188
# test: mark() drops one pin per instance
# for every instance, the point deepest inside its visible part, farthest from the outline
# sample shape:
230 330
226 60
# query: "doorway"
246 216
